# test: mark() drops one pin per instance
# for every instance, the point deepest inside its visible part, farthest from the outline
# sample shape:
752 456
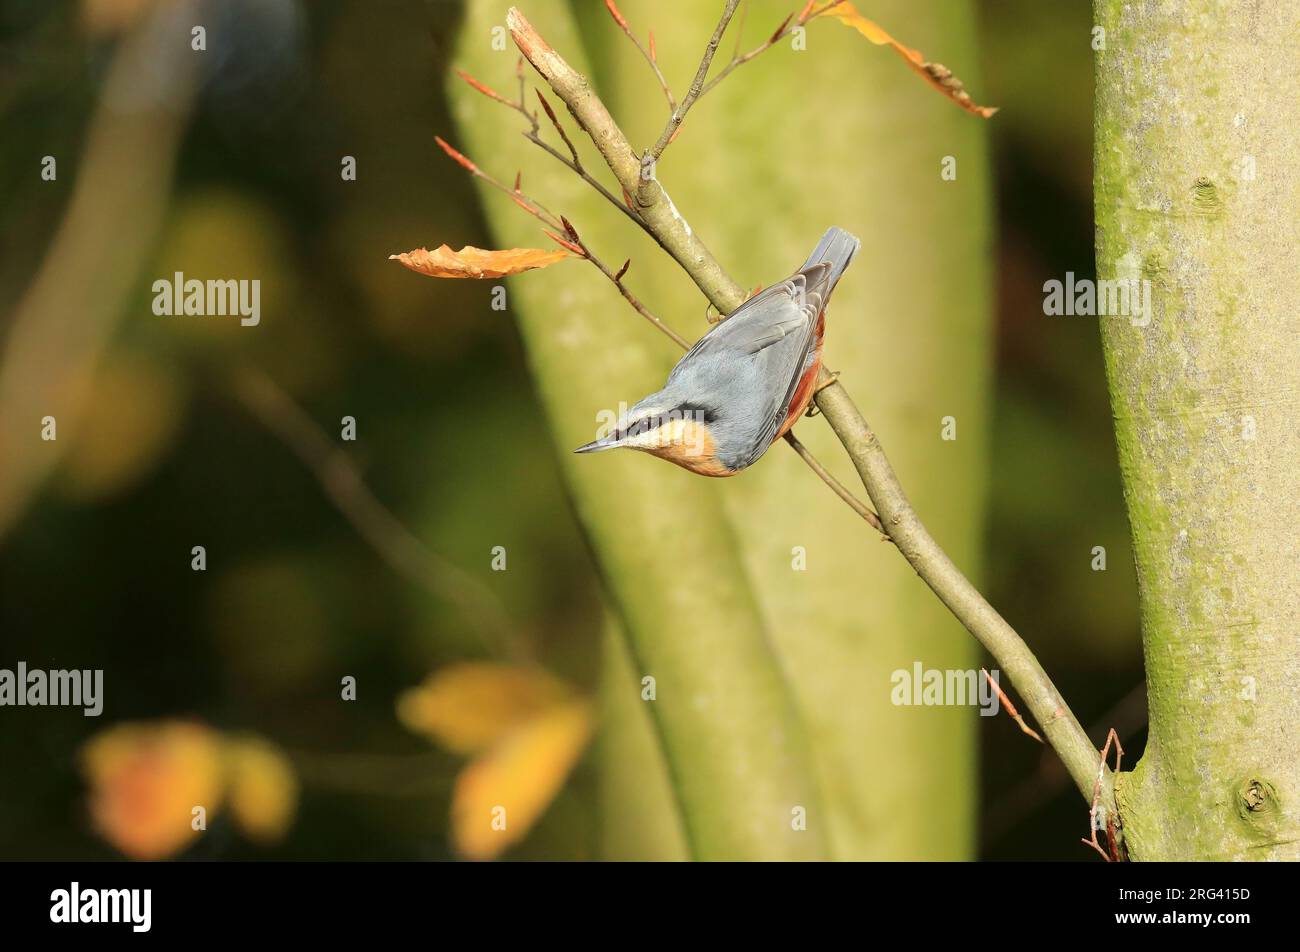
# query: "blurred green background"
94 554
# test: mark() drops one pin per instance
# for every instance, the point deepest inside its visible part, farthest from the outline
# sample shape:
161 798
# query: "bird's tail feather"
837 249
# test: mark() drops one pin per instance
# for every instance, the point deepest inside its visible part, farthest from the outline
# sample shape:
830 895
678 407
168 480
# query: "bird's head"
670 428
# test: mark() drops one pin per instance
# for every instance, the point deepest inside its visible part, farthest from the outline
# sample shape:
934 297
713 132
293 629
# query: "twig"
575 164
1011 708
857 505
534 208
785 29
697 84
617 279
572 161
383 531
1129 715
905 528
649 54
555 121
1112 837
495 96
740 28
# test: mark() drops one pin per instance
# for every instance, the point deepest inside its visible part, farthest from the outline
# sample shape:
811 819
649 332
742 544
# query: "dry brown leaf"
471 262
936 74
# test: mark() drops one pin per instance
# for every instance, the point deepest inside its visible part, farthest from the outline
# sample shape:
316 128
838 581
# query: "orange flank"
803 394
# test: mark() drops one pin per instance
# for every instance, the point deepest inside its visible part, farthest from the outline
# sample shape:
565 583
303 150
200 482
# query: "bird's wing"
775 329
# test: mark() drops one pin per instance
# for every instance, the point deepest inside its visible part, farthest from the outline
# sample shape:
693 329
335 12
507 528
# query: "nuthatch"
746 381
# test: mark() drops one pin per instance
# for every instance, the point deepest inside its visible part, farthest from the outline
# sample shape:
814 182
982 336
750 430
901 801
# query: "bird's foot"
812 410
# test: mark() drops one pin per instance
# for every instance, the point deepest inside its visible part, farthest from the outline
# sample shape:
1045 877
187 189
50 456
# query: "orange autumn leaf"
471 262
936 74
500 795
146 780
468 707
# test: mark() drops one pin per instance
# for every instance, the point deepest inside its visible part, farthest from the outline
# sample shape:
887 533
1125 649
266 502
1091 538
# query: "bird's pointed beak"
604 443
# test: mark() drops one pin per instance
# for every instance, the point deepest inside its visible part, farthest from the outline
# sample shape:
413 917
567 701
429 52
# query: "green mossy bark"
1198 192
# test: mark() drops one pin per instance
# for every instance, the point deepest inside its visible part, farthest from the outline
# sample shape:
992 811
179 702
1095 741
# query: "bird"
746 381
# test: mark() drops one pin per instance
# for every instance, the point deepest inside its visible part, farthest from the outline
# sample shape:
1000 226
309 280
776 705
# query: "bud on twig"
485 90
550 113
780 29
456 156
618 17
565 243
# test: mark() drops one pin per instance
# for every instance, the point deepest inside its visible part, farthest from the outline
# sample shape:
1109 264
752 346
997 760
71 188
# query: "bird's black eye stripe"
687 411
696 411
636 429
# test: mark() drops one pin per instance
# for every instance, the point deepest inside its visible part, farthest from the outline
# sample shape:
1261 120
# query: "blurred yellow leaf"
145 780
500 795
131 412
936 74
471 262
466 707
263 788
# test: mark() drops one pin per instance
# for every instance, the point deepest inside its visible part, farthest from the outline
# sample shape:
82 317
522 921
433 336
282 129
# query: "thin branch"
384 532
657 213
573 161
1128 715
575 165
861 508
901 522
617 279
649 54
740 28
785 29
697 84
536 209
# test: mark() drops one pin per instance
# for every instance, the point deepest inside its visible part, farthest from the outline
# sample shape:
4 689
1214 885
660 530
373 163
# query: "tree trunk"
1198 193
841 133
735 747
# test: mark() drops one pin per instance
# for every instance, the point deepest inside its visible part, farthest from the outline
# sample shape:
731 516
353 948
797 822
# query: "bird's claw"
813 409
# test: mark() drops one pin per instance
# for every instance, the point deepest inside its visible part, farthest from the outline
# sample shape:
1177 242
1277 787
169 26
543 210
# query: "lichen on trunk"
1198 193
